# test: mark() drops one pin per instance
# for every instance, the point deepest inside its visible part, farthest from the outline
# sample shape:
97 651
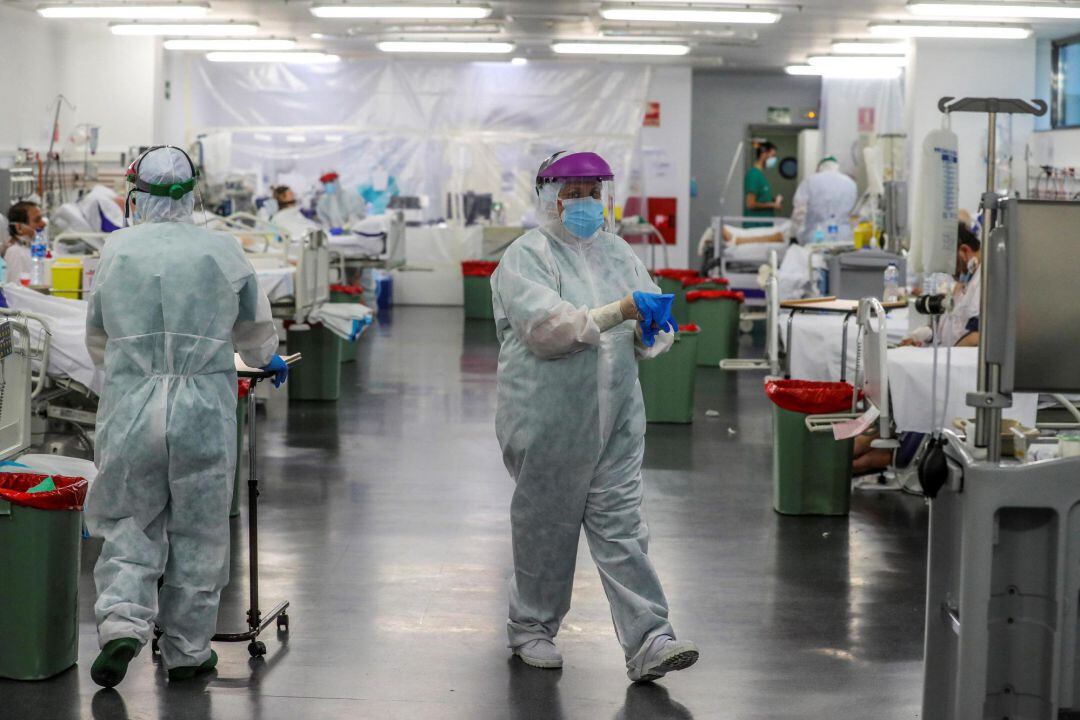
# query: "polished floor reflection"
385 522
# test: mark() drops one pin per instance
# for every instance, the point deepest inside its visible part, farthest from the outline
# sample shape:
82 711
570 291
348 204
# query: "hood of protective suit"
164 165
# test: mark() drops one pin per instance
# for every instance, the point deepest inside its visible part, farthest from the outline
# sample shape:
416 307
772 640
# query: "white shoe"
540 654
665 654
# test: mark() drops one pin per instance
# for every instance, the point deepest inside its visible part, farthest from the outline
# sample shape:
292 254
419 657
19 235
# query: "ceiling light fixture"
519 61
690 15
299 57
422 46
995 10
871 73
619 48
123 11
231 44
402 12
967 31
185 29
868 47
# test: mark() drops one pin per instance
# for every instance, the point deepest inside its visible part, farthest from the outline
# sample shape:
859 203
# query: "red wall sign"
652 114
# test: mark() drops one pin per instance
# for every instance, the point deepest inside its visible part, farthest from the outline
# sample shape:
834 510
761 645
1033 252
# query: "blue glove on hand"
280 369
655 311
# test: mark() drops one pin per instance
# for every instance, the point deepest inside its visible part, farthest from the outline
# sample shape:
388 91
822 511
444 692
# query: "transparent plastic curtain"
879 104
436 127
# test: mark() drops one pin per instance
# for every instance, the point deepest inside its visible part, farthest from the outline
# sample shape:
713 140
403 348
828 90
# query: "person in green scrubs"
759 196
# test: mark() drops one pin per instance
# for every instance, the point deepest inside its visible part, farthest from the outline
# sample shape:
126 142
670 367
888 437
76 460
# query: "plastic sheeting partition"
434 127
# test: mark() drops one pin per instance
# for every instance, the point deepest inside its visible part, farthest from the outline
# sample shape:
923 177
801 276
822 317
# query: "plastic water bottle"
37 260
892 283
833 230
819 234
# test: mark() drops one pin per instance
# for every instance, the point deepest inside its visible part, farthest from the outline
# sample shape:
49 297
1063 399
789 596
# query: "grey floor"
385 522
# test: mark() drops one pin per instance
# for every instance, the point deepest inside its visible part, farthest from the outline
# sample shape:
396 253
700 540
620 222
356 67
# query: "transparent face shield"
579 206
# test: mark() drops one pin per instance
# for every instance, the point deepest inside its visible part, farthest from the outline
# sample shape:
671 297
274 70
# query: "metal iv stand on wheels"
256 620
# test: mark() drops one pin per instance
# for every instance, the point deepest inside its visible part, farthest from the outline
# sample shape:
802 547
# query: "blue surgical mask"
770 162
330 188
583 216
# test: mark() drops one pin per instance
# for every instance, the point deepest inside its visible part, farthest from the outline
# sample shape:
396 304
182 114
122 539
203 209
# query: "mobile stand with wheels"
256 620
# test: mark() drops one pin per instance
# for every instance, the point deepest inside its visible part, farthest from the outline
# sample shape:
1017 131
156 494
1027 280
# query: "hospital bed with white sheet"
740 252
771 361
65 382
376 242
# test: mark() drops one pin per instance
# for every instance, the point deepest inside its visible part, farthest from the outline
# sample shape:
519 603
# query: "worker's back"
830 195
172 291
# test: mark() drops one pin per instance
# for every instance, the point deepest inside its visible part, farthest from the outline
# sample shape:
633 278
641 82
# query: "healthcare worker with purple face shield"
574 310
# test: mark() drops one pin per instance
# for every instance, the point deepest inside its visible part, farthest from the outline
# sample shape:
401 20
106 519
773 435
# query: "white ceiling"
805 28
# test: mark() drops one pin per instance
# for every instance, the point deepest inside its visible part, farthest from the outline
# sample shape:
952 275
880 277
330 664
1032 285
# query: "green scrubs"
757 183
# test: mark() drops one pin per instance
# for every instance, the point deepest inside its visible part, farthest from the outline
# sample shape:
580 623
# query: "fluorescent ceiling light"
846 61
185 29
333 138
117 11
419 46
263 137
862 47
399 12
302 57
854 71
295 139
636 14
618 48
993 10
950 30
519 61
231 44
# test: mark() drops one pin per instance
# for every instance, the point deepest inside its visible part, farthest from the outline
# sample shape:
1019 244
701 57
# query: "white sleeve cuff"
608 316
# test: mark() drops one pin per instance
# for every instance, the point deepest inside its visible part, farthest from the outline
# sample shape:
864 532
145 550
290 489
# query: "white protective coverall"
170 303
827 193
571 424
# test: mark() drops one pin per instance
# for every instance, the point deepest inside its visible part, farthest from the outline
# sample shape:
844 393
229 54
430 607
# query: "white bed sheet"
277 283
67 321
910 383
817 339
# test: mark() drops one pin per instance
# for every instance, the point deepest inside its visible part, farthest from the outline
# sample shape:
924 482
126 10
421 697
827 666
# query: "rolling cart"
256 620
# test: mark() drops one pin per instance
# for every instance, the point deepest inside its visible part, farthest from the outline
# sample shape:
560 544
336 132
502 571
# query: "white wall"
669 146
968 68
110 80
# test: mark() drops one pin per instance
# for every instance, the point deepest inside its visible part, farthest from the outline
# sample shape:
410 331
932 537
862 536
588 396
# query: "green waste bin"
670 281
346 294
241 423
476 275
40 535
811 471
716 312
667 381
318 377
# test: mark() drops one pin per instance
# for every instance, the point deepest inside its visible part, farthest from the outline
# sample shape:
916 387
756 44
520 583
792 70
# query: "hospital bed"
771 361
378 242
64 381
739 263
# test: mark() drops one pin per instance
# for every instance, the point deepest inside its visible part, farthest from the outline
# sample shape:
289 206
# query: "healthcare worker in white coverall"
170 304
574 310
825 197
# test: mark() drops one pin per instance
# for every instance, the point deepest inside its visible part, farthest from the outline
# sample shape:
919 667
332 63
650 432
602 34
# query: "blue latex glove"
280 369
655 310
337 231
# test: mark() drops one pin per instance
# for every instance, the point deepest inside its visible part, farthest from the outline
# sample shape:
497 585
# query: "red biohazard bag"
675 273
810 397
695 295
689 328
347 289
69 494
692 281
478 268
